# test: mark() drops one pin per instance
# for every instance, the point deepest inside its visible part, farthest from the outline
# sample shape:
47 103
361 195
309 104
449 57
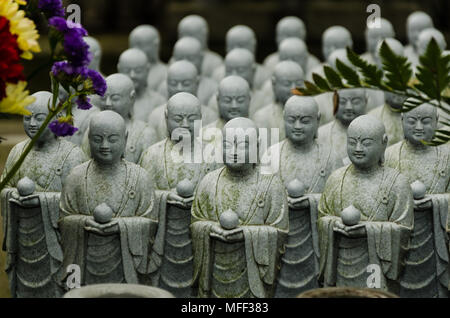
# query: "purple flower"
62 129
58 23
52 8
98 82
83 102
63 69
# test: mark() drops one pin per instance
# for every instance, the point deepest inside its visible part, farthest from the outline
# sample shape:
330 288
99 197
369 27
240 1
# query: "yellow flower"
24 28
16 99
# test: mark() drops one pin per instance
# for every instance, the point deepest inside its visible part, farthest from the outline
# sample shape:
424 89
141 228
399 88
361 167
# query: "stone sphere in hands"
229 220
350 216
295 188
185 188
26 187
418 190
103 214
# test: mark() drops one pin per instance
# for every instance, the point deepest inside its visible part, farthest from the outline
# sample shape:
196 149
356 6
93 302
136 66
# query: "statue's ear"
273 81
385 139
166 113
133 95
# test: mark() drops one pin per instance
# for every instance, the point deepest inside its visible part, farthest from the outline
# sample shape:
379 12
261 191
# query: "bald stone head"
294 49
425 37
286 76
420 124
241 36
182 76
120 95
233 98
39 112
366 142
194 26
240 144
241 62
107 137
146 38
395 45
352 104
416 23
375 34
290 27
340 54
134 63
301 119
183 109
189 49
96 51
335 37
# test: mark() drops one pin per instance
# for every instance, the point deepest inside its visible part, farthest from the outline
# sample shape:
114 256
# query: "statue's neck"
107 169
241 174
413 147
45 145
306 147
367 171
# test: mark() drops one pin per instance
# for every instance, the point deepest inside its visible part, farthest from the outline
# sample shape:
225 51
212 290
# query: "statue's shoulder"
394 177
19 147
261 115
376 112
392 150
154 151
338 174
135 169
77 174
209 180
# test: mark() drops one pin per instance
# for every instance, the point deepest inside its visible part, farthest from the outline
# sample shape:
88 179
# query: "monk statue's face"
301 120
239 148
189 50
107 140
135 64
394 100
415 25
233 101
181 116
284 81
420 124
298 56
241 66
334 39
366 142
352 103
39 112
119 96
182 80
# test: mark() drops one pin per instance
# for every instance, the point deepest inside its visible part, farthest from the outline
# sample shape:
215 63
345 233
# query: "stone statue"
146 38
365 215
175 180
182 77
391 117
426 271
30 206
96 50
289 27
190 49
241 62
239 221
374 35
333 38
352 103
120 98
134 63
303 165
197 27
425 37
243 37
108 220
416 23
287 76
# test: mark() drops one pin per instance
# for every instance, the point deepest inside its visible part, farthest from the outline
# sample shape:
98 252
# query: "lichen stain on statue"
428 171
238 262
107 223
304 165
30 207
176 174
383 200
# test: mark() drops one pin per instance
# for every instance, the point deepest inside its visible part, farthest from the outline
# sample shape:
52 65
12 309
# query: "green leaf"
371 74
309 90
333 77
433 72
349 74
321 82
398 69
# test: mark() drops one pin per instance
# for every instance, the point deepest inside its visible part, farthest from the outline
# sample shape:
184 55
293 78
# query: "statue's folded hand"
423 204
298 203
178 201
101 229
30 201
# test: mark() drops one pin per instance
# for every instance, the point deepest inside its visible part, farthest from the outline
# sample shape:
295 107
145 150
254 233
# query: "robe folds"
175 261
247 268
388 220
31 238
300 264
134 249
427 263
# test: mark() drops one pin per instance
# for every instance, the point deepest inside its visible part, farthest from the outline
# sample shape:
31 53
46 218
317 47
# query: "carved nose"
419 125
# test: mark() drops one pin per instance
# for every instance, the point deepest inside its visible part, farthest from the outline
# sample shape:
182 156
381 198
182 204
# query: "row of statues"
207 178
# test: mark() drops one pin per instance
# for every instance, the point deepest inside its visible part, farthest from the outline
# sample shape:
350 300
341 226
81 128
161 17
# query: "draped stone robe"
31 238
146 103
247 268
271 116
392 122
386 206
140 137
334 134
156 75
426 271
175 261
300 264
124 257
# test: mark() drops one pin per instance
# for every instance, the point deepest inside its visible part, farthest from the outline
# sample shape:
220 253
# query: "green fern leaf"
371 74
398 69
333 77
321 82
350 75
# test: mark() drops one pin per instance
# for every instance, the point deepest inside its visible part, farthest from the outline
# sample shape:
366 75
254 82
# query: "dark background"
111 20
